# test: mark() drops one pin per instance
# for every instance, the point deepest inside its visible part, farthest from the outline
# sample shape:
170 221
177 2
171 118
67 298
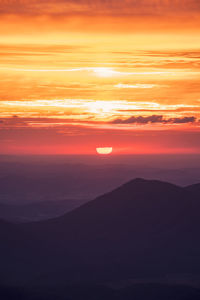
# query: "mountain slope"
142 229
194 188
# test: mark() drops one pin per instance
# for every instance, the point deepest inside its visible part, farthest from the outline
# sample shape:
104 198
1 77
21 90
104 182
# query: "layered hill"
143 229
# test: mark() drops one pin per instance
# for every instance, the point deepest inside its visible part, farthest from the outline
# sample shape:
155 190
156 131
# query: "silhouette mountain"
194 188
143 229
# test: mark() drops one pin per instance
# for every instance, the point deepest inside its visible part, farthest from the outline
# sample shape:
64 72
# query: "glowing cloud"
135 86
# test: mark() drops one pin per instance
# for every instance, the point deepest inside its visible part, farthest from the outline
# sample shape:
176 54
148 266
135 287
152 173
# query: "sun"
104 150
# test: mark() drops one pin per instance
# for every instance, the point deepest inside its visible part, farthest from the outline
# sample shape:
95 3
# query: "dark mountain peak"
138 197
138 180
153 182
137 193
148 187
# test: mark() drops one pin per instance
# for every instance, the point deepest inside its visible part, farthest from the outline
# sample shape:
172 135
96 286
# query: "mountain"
194 188
143 229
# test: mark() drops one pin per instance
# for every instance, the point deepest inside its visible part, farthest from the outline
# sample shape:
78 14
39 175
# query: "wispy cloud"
98 71
95 106
135 86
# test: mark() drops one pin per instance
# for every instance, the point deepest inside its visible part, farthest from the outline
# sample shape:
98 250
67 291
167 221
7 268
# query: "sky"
79 75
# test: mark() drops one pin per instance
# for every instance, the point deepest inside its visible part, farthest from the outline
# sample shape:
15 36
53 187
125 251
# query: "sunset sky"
78 74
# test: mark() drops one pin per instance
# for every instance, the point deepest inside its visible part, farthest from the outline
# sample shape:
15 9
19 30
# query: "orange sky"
76 75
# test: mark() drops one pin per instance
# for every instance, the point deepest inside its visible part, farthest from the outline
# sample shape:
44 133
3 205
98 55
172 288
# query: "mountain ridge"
143 228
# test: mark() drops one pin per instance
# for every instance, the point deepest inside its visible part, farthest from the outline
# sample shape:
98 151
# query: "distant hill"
143 229
39 210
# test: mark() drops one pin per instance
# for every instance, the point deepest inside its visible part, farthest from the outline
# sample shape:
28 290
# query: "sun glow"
104 72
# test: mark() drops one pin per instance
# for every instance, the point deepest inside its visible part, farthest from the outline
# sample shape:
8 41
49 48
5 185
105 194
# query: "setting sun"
104 151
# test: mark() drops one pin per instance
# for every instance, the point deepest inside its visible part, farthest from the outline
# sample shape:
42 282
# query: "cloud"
135 86
182 120
154 119
140 120
113 7
14 121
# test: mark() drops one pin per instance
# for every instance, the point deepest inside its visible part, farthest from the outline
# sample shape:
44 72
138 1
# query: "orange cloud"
113 7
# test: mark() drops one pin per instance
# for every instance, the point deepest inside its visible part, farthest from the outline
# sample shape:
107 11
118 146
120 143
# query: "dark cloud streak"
154 119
